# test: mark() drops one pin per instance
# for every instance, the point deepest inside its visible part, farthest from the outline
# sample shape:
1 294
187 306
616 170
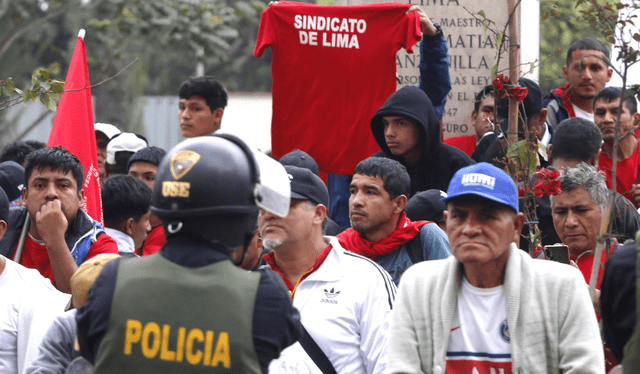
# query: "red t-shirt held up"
332 68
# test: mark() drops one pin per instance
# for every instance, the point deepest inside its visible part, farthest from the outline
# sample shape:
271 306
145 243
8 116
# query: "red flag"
73 127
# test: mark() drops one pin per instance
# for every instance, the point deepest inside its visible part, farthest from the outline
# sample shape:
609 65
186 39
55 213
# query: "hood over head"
413 103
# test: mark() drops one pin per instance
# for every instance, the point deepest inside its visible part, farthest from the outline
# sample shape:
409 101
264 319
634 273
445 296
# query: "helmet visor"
273 193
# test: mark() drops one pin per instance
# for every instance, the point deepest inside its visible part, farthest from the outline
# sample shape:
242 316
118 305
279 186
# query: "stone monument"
472 51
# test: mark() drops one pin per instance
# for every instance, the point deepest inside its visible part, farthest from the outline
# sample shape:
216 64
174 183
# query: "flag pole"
23 237
73 126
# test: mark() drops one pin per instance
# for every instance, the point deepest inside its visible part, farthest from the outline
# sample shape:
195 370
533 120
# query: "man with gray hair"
577 213
344 299
578 140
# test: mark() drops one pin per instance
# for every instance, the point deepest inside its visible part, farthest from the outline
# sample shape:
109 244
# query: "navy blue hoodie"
438 161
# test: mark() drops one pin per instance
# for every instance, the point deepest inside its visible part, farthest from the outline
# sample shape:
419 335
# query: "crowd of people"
215 257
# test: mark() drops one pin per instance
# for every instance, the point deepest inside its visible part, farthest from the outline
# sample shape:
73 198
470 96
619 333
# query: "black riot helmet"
212 187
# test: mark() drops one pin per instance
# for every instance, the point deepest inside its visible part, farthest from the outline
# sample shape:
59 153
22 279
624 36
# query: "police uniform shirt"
270 335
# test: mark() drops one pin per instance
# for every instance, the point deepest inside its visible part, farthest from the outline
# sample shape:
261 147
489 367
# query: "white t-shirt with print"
480 341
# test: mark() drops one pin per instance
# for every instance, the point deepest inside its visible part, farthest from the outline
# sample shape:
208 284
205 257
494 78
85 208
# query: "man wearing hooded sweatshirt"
407 129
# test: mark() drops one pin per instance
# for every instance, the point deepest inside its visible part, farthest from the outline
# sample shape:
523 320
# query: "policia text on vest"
166 318
194 346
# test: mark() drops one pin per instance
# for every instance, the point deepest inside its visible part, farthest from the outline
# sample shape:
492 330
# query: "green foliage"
168 36
525 158
42 87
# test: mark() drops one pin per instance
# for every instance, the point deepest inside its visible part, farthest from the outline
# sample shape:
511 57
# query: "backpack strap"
317 355
414 249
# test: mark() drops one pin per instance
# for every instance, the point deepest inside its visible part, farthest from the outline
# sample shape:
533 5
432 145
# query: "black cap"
426 206
300 159
531 105
307 186
151 154
4 206
11 179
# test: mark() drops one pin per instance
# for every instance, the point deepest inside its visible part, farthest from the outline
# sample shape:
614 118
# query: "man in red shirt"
61 235
577 214
144 166
605 110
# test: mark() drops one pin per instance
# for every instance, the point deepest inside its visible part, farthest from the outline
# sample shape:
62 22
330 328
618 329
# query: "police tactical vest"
167 318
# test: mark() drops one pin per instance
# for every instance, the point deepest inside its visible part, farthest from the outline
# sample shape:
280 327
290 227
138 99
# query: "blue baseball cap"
484 180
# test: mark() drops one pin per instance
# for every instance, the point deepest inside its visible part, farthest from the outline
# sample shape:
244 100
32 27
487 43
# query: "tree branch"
31 25
105 80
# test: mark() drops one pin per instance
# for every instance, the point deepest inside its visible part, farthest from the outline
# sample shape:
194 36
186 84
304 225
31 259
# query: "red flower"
519 93
524 190
498 82
547 183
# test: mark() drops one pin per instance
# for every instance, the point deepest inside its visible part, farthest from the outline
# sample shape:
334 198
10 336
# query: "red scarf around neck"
405 231
565 93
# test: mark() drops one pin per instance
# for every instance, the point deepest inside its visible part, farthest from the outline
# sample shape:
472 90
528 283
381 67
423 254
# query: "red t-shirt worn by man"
155 240
35 256
626 172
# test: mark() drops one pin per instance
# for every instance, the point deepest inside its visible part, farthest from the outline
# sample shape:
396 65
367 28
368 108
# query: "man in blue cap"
490 307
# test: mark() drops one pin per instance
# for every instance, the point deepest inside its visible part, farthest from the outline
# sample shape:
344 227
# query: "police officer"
188 308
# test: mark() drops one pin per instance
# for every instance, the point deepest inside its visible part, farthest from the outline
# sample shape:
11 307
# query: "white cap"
108 129
126 141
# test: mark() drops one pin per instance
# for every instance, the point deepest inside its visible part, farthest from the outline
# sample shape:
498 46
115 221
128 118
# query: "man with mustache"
586 73
380 230
344 299
605 110
61 234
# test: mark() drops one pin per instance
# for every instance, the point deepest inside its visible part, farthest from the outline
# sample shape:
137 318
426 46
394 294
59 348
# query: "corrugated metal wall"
248 116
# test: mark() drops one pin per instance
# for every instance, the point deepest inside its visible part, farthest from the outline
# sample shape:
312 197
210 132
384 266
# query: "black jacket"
438 161
618 299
